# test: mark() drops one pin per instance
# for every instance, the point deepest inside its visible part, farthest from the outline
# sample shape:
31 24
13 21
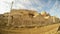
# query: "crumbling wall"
27 22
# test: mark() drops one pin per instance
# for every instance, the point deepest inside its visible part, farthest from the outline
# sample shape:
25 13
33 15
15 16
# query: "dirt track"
50 29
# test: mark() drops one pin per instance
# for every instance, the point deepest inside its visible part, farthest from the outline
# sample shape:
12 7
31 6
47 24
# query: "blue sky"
50 6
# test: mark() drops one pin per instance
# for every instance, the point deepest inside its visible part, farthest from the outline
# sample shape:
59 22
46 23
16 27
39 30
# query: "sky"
50 6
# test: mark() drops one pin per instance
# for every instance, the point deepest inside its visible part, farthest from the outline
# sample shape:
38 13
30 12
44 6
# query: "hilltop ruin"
28 22
23 18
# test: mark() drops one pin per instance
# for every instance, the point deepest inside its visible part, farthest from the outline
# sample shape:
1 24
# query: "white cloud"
19 6
33 9
6 0
5 6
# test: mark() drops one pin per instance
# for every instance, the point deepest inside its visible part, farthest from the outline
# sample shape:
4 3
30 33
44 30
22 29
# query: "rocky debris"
26 18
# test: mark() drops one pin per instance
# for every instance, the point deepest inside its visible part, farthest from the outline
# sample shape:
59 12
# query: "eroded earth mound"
26 18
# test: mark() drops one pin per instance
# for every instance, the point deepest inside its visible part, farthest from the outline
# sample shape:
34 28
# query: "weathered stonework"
27 22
